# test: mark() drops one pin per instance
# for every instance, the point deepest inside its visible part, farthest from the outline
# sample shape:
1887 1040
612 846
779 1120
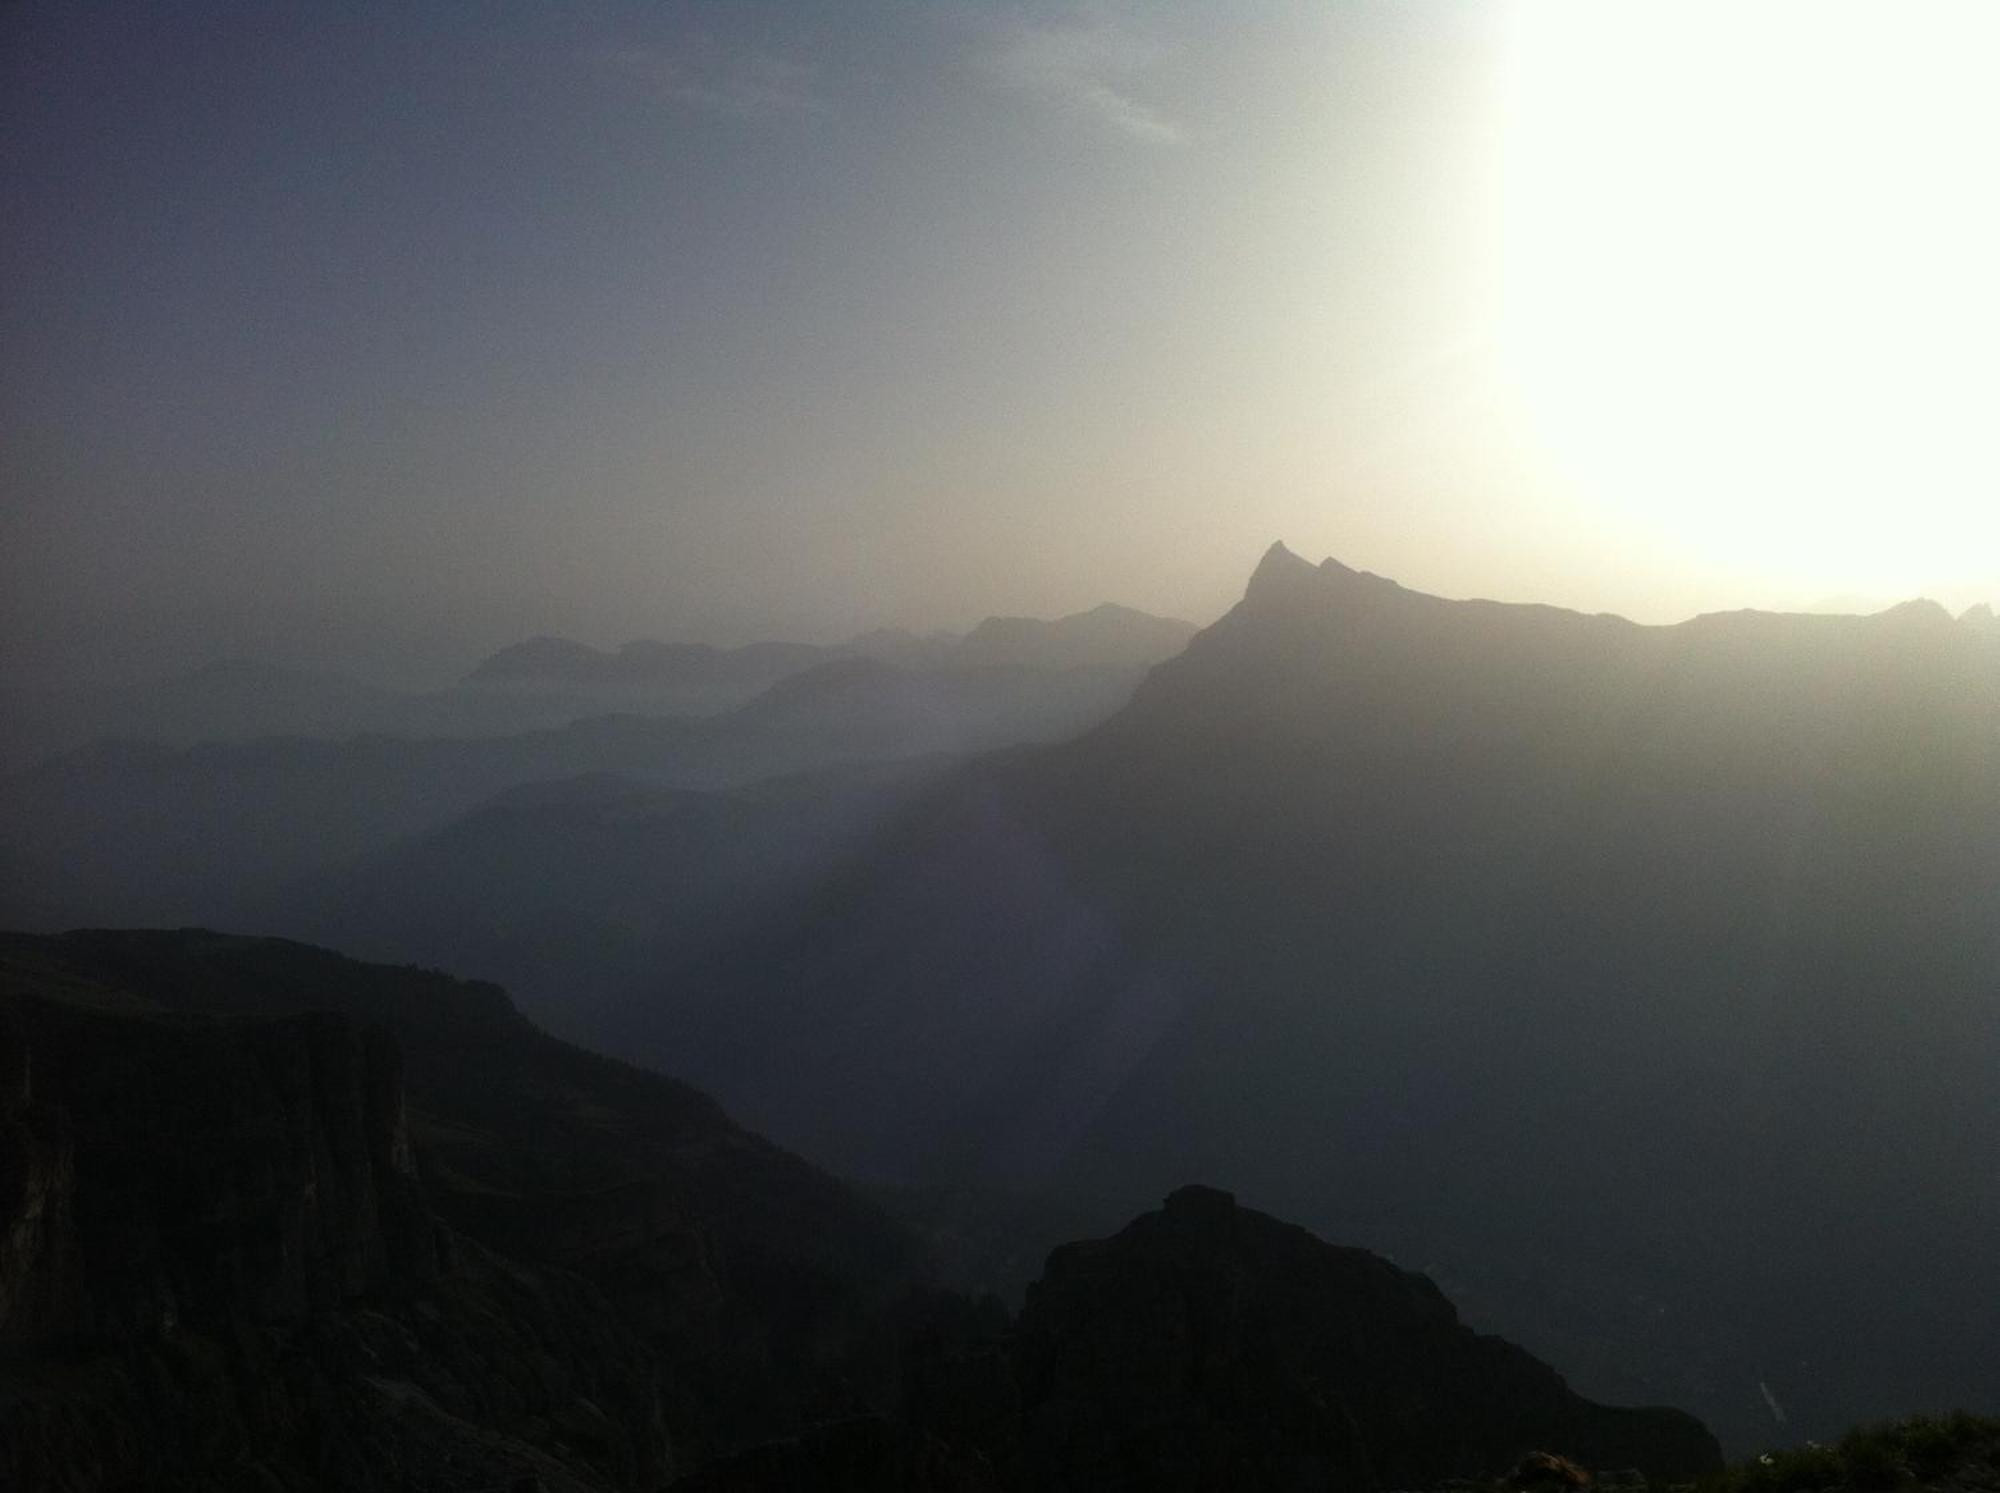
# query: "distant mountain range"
274 1218
547 660
135 831
271 1218
543 684
1639 980
1108 636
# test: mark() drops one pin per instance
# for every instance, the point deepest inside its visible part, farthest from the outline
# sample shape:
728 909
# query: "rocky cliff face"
260 1168
241 1245
220 1270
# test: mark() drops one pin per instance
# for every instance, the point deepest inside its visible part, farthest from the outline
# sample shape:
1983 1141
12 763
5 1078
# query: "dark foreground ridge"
274 1219
1207 1345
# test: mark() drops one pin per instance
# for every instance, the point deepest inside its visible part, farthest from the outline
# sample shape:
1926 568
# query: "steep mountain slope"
274 1217
223 1273
1639 980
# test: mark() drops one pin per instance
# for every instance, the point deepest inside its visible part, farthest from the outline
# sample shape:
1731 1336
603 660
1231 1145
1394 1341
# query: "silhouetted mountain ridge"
1107 636
1517 936
125 832
753 666
542 683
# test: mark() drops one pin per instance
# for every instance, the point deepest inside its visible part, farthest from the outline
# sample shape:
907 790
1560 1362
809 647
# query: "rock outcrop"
1210 1346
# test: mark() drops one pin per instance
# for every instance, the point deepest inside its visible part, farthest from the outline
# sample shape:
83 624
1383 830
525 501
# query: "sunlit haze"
1749 305
386 337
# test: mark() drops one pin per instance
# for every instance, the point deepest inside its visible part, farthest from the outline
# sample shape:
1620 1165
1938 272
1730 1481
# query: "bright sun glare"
1749 260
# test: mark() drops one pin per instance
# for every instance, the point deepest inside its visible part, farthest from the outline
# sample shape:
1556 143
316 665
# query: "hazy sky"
380 335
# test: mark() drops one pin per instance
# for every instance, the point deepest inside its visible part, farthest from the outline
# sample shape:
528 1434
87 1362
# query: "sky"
378 336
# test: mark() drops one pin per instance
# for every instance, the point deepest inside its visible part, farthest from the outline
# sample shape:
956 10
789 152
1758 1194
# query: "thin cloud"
743 85
1088 68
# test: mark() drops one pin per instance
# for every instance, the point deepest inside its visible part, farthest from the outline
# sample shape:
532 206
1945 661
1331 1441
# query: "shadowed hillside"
272 1208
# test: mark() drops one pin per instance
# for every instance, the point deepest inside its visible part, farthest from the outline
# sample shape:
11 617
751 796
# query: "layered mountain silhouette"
1108 636
229 699
1640 980
750 668
1636 983
152 832
272 1218
544 683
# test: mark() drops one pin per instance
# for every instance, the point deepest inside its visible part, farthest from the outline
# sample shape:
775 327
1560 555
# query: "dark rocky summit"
1210 1346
